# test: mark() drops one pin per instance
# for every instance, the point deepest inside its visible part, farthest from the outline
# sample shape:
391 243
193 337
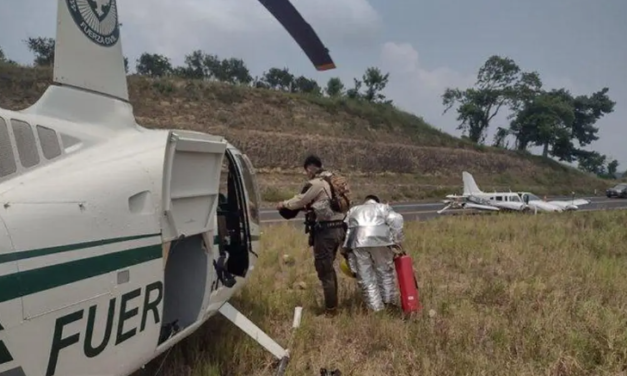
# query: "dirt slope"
385 150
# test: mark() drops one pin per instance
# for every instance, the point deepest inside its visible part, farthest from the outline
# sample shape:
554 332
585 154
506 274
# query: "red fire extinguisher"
407 283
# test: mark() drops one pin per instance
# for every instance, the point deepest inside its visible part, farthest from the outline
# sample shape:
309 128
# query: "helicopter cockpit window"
532 197
7 159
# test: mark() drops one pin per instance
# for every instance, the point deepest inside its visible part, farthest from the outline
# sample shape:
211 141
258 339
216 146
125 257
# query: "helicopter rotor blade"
301 31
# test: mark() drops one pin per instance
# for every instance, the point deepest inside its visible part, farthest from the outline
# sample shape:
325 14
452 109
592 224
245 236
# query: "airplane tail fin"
470 187
88 49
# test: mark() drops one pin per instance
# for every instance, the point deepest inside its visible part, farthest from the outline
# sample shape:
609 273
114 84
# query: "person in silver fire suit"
375 232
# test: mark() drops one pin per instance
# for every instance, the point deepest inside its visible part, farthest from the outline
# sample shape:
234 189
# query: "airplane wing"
467 205
580 202
301 31
470 205
577 202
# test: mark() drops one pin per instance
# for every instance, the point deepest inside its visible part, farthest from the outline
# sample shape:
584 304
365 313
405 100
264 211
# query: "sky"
425 46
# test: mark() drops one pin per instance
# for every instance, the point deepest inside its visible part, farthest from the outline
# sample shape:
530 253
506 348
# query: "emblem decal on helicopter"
97 19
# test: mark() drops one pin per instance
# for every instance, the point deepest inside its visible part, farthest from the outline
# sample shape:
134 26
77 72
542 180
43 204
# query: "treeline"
559 122
202 66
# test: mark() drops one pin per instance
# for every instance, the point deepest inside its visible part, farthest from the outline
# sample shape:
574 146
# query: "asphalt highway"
428 210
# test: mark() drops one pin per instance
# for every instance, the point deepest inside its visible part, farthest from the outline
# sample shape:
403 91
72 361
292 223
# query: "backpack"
340 193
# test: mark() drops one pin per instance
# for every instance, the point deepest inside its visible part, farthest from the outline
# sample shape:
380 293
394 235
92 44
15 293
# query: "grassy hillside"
386 151
501 295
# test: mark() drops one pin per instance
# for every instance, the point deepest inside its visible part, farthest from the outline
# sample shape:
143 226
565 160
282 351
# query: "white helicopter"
116 241
475 198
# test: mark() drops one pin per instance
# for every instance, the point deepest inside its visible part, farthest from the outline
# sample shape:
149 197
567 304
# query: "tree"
303 84
280 79
544 120
612 168
199 65
500 138
500 82
195 66
335 87
588 110
4 60
259 83
591 161
213 67
43 48
233 71
559 122
354 92
375 82
154 65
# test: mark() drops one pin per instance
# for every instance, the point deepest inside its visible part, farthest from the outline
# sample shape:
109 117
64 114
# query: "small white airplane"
118 241
475 198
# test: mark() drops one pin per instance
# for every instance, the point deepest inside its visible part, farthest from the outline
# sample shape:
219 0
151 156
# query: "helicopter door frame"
242 203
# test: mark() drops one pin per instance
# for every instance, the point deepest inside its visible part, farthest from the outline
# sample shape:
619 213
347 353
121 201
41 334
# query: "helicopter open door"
238 214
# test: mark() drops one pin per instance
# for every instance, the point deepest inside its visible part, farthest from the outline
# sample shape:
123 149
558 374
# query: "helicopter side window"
50 145
26 143
7 159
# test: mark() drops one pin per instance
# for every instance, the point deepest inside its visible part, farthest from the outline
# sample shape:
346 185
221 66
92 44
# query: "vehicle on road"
618 191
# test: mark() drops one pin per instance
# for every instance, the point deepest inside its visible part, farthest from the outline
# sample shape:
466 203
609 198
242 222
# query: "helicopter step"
242 322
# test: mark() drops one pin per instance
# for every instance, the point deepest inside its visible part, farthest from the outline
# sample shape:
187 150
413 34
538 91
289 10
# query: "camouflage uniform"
329 232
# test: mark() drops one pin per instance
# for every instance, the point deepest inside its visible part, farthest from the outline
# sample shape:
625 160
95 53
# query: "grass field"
508 295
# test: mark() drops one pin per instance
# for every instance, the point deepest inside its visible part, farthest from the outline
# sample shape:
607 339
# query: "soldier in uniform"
328 229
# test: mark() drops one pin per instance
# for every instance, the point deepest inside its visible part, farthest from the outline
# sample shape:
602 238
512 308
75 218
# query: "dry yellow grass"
512 295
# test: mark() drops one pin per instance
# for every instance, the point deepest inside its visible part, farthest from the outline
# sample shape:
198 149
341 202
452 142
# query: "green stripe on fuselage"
33 281
22 255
